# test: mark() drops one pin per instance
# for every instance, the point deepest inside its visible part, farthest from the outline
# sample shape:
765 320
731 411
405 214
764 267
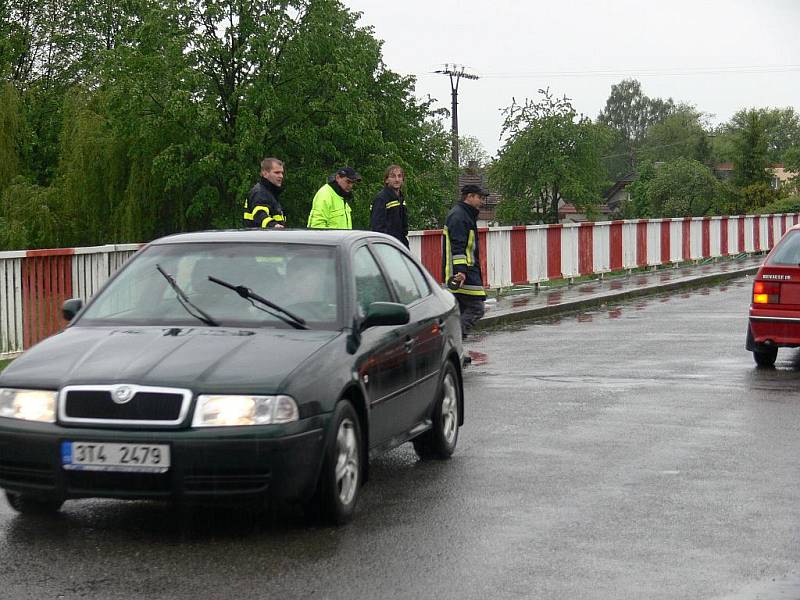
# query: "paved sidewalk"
526 304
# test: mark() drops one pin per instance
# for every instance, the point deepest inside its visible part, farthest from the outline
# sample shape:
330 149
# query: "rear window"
787 252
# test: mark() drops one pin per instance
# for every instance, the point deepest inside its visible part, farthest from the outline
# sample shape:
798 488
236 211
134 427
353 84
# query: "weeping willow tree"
11 124
93 172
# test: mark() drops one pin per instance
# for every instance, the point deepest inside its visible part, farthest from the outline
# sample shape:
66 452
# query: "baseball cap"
350 173
471 188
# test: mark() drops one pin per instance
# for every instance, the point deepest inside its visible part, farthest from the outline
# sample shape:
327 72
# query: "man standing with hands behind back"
461 256
262 209
388 214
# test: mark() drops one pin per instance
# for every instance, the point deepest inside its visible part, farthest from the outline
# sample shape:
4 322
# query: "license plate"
103 456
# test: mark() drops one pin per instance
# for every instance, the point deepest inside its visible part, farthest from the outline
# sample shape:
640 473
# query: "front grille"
123 404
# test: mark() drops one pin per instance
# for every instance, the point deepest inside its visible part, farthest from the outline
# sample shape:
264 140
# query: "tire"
765 357
29 504
340 479
441 439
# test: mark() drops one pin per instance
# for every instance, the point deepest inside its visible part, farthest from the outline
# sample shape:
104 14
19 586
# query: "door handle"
409 344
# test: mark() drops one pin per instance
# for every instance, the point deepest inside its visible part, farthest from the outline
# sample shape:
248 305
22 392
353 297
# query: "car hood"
217 360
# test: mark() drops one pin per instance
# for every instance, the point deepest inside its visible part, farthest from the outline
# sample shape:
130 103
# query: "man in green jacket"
331 208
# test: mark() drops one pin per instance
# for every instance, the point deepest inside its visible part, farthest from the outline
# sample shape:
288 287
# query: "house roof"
620 184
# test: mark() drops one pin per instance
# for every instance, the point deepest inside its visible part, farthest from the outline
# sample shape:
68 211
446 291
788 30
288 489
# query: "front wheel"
340 479
441 439
765 357
29 504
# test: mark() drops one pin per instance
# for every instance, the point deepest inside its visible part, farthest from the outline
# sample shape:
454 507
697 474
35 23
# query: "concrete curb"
603 298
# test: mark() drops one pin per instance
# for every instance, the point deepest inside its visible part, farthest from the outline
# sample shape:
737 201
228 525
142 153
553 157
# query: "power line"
645 72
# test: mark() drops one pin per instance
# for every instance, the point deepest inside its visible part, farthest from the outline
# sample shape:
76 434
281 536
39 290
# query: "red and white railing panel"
537 253
35 283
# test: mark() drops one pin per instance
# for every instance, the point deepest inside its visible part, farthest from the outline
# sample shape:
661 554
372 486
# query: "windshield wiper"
250 295
184 301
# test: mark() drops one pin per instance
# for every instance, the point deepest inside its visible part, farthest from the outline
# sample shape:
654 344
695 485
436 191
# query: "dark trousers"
472 310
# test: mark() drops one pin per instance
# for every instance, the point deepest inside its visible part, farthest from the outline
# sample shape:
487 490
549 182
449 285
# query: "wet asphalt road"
627 452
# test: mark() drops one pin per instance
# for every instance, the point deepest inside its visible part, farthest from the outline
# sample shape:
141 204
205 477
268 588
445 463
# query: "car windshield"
788 251
301 279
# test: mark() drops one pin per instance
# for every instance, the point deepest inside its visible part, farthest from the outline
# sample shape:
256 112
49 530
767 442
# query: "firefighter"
388 213
461 256
262 209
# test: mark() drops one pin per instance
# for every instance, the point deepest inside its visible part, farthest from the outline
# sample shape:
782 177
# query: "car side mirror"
385 313
71 307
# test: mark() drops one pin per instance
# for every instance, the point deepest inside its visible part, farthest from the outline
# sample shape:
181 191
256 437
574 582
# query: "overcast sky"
718 55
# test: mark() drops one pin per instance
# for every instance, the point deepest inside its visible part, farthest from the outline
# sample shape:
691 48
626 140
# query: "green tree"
681 188
791 159
471 150
750 160
680 134
11 122
164 108
550 153
630 113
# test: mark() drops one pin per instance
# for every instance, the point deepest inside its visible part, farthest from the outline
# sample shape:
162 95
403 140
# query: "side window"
397 268
370 284
422 283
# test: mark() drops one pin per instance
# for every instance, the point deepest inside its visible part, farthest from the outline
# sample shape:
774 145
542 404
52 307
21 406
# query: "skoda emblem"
122 394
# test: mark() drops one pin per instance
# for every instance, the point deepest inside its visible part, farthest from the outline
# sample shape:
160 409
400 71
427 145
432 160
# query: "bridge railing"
35 283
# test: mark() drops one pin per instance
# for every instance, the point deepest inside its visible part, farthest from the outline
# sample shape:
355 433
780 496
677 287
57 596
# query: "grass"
3 363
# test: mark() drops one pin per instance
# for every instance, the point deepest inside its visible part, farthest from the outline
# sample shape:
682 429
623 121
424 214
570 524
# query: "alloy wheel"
449 409
346 461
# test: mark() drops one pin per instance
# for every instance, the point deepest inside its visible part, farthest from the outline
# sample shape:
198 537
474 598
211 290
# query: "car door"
424 333
385 364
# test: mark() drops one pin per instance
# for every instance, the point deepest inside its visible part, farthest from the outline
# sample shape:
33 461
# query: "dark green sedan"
236 366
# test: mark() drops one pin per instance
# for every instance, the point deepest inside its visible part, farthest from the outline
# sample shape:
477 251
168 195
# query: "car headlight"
225 411
30 405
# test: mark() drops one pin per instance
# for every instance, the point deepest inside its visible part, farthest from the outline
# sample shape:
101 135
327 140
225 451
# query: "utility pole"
456 72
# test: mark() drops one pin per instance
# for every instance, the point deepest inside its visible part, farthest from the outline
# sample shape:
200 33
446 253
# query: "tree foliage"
630 113
550 152
750 141
678 188
470 150
153 115
681 134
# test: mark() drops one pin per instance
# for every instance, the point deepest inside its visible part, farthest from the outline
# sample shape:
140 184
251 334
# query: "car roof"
331 237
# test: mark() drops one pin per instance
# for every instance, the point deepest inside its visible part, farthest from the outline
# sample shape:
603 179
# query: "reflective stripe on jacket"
461 250
261 208
388 215
329 210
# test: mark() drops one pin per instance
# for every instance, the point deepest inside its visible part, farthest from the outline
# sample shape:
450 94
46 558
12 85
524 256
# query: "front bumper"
207 465
775 327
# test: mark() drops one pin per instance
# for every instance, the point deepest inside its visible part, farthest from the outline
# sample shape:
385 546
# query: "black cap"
350 173
471 188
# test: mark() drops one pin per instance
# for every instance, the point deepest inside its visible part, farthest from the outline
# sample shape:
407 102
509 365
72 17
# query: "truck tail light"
766 292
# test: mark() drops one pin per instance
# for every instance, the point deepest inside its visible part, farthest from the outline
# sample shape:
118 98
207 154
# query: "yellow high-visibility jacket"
329 210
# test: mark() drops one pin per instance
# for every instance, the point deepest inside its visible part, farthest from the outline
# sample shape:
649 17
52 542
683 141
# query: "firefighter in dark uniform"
388 214
461 256
262 209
